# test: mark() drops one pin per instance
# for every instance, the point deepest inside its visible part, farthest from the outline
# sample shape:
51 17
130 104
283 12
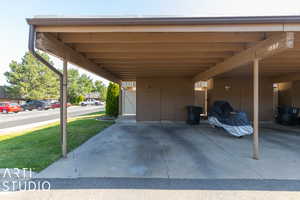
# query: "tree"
112 100
101 89
78 85
30 79
73 86
86 84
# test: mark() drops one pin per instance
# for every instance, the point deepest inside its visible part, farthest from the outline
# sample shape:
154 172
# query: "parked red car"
7 107
57 105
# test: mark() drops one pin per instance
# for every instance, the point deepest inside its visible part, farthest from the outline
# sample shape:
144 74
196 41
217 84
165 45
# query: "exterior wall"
200 97
296 94
163 98
285 93
288 93
239 93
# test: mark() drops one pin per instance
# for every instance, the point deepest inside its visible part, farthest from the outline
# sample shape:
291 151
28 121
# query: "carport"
166 56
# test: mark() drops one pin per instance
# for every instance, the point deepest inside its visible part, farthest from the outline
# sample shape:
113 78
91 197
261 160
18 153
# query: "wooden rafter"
50 44
286 78
166 37
160 55
159 47
263 49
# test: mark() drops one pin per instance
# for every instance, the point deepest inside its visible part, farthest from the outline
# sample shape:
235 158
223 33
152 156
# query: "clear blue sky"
14 29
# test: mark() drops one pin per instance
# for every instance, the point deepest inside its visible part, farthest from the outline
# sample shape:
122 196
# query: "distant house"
4 97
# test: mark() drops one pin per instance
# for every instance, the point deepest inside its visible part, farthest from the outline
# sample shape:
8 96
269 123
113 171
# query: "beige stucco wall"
163 98
199 99
285 93
239 93
296 94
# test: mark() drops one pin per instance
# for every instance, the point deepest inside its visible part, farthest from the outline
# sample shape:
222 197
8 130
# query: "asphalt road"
29 117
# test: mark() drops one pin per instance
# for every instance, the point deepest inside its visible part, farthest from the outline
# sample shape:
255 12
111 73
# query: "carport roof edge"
82 21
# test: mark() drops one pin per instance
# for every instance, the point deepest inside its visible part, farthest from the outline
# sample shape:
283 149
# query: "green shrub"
73 100
76 99
112 100
80 99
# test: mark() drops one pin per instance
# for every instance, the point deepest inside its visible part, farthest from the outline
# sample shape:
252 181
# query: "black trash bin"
193 114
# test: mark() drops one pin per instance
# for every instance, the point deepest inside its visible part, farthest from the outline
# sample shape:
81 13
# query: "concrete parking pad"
169 150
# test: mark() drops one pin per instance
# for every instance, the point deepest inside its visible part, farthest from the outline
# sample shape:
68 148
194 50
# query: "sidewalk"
12 130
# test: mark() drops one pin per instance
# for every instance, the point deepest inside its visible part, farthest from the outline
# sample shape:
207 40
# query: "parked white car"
91 102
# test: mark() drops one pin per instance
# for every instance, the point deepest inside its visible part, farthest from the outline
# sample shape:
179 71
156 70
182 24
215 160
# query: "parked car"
91 102
57 105
98 103
7 107
36 104
85 103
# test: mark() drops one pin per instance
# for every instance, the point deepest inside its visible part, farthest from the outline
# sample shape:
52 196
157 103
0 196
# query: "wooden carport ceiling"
283 64
173 54
131 55
144 50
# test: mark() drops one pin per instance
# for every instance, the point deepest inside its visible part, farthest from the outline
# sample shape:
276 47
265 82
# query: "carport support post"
120 99
256 109
64 117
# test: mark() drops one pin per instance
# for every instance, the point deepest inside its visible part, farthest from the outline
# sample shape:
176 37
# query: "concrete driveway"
180 151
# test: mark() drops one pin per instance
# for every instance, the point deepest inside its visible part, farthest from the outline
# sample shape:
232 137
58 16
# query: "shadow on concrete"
191 149
287 140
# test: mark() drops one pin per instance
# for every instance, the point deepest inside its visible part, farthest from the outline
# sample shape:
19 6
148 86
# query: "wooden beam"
282 66
166 37
154 47
156 61
155 70
287 54
286 78
157 66
155 55
282 62
256 109
122 69
263 49
50 44
161 65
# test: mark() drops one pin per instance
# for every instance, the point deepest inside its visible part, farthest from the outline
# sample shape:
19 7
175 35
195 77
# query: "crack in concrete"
164 157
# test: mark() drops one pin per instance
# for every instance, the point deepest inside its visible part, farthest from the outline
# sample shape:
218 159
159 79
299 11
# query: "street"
30 117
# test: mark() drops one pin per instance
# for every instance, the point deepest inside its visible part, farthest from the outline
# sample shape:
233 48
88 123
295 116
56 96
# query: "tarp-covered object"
234 122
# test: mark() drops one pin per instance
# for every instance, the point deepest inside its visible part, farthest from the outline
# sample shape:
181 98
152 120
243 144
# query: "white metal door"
129 102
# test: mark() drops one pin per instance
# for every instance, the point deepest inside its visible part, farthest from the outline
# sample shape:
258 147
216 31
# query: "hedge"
112 100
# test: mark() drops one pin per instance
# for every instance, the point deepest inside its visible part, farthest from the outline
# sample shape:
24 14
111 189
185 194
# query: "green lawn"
40 147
